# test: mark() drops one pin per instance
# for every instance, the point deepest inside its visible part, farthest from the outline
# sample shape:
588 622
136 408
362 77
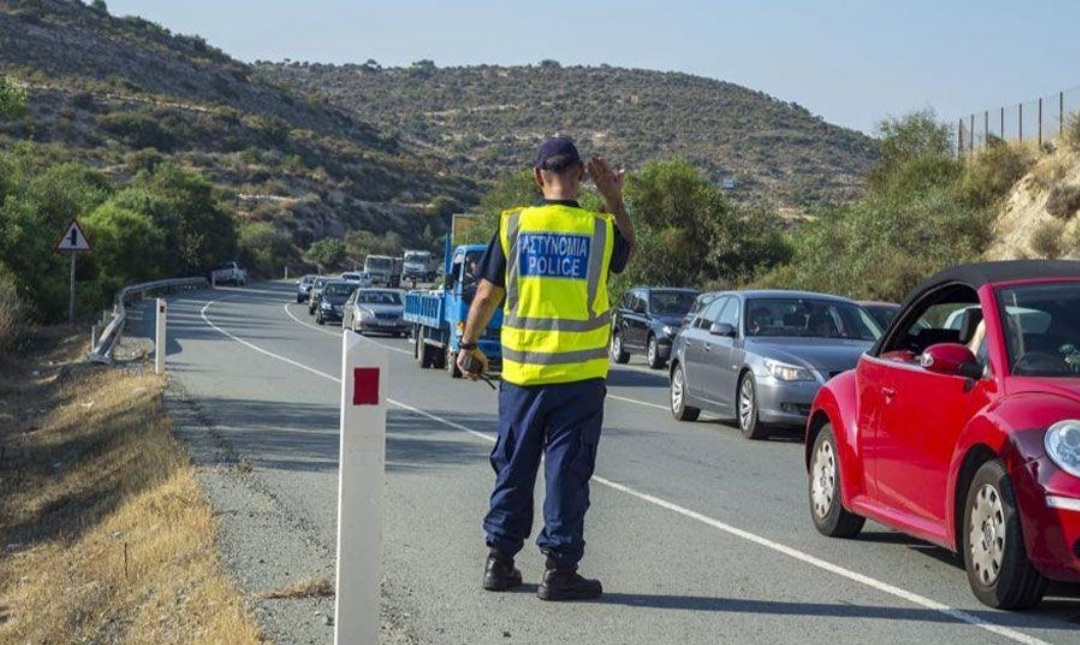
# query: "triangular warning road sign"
73 239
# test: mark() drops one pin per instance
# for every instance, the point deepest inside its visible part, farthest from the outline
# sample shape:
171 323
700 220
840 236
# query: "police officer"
551 264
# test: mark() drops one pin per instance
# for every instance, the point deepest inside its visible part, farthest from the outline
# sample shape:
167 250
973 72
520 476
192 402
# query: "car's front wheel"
679 409
998 568
749 422
653 354
826 508
618 354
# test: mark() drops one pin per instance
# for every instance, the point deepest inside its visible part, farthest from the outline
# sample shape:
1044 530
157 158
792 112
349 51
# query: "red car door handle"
888 392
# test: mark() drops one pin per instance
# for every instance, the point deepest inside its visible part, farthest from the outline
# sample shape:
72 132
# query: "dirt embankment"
104 533
1038 218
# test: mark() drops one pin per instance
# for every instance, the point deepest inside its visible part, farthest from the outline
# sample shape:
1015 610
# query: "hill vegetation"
488 119
926 210
142 132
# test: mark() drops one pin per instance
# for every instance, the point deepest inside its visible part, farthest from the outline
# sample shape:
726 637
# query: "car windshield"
673 303
417 257
809 318
882 314
339 289
379 297
1042 329
378 264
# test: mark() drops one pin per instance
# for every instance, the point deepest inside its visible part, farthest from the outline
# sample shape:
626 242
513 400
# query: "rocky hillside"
489 118
104 89
1038 218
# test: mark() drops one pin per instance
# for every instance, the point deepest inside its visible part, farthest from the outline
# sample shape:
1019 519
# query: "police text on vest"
554 255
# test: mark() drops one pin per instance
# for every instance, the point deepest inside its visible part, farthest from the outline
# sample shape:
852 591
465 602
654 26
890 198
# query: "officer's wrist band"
468 346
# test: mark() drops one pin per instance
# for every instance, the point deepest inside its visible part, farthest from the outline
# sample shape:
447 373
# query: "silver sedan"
760 356
376 310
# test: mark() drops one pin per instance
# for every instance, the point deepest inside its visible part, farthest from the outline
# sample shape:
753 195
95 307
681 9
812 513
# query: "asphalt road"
698 535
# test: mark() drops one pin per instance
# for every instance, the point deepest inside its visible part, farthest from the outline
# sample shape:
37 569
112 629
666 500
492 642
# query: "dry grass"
317 588
107 535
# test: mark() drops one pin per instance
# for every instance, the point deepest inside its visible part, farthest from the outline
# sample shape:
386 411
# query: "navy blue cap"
557 153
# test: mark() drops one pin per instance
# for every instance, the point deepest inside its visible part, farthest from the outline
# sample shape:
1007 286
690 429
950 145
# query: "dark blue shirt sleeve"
621 253
493 264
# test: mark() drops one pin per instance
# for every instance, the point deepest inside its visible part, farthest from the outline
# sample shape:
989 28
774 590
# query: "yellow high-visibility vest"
557 319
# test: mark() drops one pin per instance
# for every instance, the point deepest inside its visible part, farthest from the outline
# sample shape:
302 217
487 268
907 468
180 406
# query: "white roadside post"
159 338
361 480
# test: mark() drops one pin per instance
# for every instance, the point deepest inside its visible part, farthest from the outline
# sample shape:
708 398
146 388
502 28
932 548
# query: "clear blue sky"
852 62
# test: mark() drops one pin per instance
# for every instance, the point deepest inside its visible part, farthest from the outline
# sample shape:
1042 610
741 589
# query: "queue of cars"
351 300
954 417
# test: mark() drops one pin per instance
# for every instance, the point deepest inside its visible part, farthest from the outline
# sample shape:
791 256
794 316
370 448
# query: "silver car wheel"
677 383
986 534
823 484
747 403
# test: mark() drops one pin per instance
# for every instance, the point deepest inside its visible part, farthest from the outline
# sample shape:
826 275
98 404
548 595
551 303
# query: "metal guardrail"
103 347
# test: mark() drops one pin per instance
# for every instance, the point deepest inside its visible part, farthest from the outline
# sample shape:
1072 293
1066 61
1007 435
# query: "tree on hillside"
12 100
263 248
198 230
914 149
128 247
326 253
685 228
511 191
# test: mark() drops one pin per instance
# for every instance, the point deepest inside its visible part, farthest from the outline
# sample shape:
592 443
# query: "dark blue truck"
438 316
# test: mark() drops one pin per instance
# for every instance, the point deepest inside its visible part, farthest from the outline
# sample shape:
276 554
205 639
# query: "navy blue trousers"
562 423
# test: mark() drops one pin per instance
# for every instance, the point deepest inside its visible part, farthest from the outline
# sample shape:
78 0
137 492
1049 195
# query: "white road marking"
635 401
806 558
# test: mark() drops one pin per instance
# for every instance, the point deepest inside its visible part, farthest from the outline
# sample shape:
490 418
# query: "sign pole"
361 482
159 338
72 241
71 292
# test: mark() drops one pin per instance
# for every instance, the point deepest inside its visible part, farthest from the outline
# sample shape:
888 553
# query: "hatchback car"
376 310
646 322
967 437
760 356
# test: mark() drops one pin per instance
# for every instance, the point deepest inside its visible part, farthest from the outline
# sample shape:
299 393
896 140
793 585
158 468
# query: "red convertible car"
966 437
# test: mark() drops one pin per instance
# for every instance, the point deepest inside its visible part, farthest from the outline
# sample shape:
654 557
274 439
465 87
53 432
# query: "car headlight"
326 305
367 313
1063 445
785 372
669 330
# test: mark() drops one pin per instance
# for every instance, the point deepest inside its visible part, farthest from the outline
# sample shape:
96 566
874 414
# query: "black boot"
564 583
500 574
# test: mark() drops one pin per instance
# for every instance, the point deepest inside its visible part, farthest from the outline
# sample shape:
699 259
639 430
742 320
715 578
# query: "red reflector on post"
365 386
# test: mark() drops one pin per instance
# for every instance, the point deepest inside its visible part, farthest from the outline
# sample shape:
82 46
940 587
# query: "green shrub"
13 314
1063 201
992 174
1048 240
138 130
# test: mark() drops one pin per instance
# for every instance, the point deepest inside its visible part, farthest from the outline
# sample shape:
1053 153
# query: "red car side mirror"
953 359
